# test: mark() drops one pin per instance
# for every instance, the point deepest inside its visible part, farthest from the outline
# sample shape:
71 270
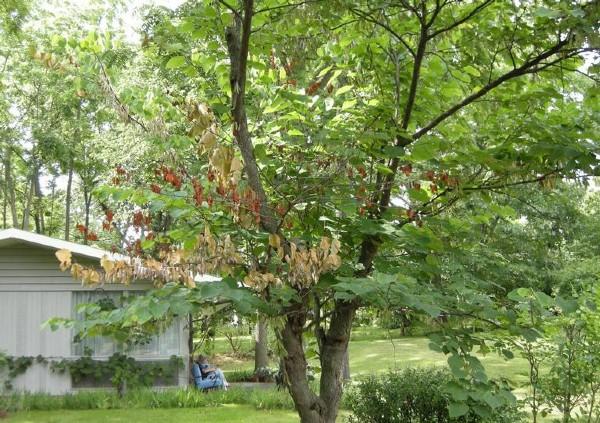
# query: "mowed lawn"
226 413
374 350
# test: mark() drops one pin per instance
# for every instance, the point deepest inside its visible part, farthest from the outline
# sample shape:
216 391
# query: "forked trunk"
322 408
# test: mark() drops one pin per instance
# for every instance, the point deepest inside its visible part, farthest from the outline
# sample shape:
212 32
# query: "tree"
356 126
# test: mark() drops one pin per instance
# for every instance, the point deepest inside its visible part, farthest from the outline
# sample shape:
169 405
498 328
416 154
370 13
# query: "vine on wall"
122 371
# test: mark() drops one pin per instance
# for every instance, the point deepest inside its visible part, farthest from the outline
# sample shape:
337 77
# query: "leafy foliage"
326 156
418 395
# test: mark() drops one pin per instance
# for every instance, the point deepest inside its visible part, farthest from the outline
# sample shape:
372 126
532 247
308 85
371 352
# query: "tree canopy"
324 156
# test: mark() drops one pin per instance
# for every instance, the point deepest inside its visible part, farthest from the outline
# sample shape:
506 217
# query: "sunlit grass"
226 413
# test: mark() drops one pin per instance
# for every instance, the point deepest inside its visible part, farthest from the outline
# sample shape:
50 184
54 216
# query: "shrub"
413 396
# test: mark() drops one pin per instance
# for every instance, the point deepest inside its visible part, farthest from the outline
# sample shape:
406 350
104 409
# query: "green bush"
413 396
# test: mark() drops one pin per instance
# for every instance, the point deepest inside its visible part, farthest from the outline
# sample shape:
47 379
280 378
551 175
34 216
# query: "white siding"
33 290
22 315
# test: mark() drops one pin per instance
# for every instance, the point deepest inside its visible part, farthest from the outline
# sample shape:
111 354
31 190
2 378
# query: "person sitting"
207 377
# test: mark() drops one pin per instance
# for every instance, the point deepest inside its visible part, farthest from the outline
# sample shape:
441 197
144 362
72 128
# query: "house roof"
10 236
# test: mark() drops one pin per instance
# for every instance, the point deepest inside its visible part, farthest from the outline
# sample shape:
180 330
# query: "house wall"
21 317
33 290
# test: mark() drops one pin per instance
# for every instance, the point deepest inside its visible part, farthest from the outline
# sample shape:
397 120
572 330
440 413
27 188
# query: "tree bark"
4 202
10 187
190 342
27 209
4 205
68 202
309 406
38 212
346 369
261 344
87 200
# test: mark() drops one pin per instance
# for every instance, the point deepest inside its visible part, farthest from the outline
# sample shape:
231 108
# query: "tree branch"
521 70
238 42
231 8
462 20
385 26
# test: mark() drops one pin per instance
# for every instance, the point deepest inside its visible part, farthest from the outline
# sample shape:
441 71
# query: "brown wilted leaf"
64 257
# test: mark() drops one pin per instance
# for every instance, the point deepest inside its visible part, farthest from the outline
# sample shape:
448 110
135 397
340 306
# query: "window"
165 344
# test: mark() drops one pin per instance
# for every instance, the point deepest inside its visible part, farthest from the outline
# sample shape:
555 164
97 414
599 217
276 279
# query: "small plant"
234 341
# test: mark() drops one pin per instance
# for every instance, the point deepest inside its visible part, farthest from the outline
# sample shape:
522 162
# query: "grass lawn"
226 413
374 350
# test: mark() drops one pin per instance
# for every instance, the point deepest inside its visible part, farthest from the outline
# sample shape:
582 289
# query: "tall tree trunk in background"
4 203
346 369
261 344
10 187
37 203
190 348
68 202
28 201
87 200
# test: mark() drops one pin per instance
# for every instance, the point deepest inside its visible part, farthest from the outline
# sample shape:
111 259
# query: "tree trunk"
190 343
37 203
87 200
4 204
309 406
68 202
346 369
27 210
10 187
313 408
261 344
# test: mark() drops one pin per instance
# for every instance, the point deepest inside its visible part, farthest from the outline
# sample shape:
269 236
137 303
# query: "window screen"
165 344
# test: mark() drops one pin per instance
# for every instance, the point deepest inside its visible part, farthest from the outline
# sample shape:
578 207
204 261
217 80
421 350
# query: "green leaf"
456 409
471 70
175 62
295 132
425 149
457 391
343 90
348 104
544 12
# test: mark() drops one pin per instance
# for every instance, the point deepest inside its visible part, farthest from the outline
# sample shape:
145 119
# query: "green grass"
259 399
227 413
375 350
377 355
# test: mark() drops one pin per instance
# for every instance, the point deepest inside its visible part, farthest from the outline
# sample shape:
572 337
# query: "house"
33 290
